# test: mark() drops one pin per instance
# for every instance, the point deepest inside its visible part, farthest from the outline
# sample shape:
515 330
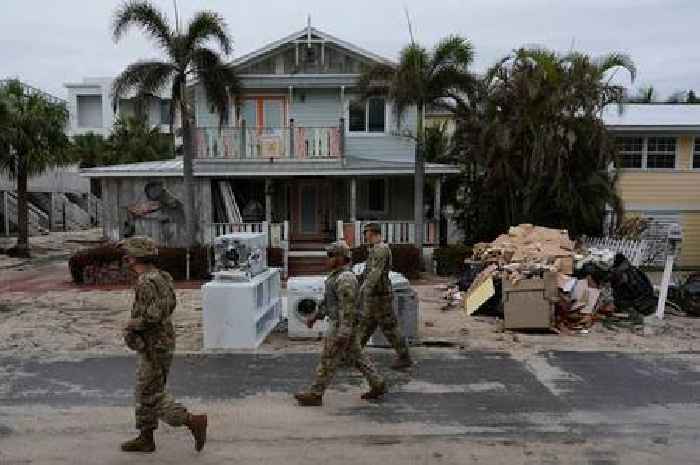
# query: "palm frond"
144 15
454 51
218 78
144 77
207 25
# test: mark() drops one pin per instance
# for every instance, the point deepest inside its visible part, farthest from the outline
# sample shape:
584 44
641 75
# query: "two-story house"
298 149
659 147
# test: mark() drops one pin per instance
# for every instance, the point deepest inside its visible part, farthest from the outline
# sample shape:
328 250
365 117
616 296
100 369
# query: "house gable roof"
302 35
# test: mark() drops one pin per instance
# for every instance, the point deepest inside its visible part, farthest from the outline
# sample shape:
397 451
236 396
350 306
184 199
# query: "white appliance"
303 296
242 255
240 314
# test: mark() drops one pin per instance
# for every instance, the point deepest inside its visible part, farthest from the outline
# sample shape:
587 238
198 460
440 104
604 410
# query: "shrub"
449 260
275 257
174 261
406 258
98 256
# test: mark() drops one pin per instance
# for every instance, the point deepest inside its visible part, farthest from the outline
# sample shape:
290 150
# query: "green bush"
406 259
449 260
98 256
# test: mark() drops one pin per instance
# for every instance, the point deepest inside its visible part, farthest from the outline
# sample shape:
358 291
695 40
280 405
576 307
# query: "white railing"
636 252
393 232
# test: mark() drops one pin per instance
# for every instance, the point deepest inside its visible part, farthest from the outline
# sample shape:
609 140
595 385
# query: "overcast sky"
47 43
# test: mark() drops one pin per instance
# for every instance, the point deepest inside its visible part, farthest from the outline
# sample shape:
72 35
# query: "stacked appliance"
305 293
242 305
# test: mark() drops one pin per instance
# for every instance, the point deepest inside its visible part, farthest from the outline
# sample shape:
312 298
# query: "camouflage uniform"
153 306
340 305
377 300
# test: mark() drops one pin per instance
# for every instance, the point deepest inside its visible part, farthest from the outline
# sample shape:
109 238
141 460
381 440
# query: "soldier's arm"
345 290
378 263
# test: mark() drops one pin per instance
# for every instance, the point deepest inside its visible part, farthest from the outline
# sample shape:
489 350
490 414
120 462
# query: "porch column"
353 199
436 207
268 200
52 211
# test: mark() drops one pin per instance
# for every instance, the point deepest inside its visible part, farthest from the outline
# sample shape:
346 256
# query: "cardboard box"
526 304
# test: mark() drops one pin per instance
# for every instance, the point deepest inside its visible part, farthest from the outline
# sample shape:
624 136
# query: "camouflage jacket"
375 279
340 303
154 303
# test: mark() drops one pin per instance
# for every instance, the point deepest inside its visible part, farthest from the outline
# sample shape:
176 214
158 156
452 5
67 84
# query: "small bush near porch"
406 259
449 260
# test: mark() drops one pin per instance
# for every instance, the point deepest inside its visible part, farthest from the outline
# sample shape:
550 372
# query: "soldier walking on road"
150 332
341 341
377 297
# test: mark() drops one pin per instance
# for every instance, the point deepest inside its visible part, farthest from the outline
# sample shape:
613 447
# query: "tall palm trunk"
22 248
188 175
419 179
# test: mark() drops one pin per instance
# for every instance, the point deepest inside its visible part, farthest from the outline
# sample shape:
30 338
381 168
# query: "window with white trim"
661 152
696 154
657 152
367 116
630 151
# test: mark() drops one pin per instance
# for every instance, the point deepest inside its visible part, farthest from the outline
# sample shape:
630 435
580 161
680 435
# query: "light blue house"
298 150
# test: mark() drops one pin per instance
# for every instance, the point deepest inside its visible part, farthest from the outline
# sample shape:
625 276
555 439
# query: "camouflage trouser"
331 357
379 312
153 403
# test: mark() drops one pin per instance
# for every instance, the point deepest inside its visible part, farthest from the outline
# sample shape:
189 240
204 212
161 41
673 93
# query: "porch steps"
307 264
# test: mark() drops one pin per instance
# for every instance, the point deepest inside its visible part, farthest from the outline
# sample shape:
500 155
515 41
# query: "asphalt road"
556 407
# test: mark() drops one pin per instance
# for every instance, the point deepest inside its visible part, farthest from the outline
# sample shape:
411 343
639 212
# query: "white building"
91 107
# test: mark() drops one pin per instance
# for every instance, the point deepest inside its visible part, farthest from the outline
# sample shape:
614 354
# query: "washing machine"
303 296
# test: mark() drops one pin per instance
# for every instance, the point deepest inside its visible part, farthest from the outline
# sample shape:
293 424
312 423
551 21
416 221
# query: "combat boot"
143 443
375 392
309 399
402 363
198 427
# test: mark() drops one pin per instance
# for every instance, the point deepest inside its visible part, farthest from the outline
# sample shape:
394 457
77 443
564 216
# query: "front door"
309 210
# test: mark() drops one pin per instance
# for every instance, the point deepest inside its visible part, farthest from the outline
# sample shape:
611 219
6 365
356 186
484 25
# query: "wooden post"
342 139
6 213
266 230
340 233
291 139
268 200
436 208
52 211
358 234
243 137
64 216
353 199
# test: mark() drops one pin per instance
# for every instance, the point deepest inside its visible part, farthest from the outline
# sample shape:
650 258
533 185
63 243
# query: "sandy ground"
77 321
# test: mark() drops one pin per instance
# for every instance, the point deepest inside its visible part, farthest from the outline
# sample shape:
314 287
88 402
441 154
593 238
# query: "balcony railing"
262 143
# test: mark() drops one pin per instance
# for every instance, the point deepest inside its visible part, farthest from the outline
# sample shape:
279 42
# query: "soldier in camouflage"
377 297
150 332
341 341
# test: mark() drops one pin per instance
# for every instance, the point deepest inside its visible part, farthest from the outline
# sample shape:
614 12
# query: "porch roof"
353 166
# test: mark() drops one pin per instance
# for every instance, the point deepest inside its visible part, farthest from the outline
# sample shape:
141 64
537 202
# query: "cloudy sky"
50 42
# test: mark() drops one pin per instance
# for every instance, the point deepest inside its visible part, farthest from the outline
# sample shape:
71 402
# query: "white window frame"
366 132
645 153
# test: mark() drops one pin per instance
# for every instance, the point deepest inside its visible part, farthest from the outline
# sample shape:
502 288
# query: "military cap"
338 249
374 227
138 246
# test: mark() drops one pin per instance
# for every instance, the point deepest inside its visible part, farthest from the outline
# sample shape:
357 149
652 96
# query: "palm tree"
32 140
187 57
422 78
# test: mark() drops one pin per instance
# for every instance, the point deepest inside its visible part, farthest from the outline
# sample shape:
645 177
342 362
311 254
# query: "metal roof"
651 116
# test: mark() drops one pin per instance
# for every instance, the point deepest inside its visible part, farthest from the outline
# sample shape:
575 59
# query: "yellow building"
659 147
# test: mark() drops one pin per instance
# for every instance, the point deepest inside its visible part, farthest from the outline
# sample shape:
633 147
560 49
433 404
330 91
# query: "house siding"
320 108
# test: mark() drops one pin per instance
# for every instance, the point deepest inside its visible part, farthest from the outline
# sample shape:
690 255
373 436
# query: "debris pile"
528 278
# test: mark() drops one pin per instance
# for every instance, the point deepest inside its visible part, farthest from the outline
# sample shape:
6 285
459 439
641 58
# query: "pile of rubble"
538 278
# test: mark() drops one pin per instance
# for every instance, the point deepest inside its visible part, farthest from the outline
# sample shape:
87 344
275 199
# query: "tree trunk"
22 247
419 179
188 177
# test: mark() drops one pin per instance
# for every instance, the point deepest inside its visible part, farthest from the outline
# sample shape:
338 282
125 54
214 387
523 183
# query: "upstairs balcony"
270 143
